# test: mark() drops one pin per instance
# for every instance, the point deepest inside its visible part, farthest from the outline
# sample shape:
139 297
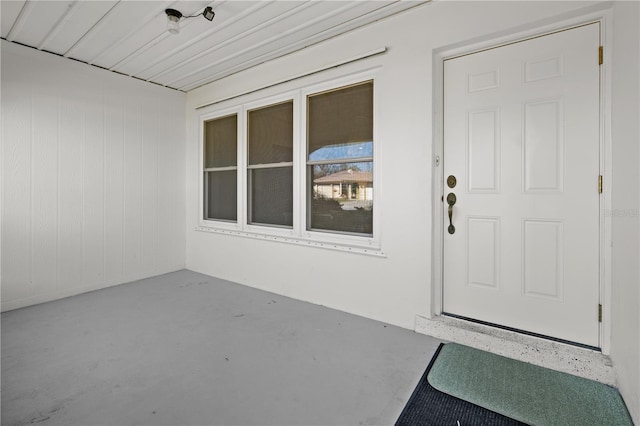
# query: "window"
340 160
297 167
270 165
220 168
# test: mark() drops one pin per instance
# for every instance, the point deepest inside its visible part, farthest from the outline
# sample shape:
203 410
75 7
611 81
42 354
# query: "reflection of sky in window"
366 166
339 151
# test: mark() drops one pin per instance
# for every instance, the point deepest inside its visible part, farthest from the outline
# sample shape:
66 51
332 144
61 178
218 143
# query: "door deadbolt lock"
451 181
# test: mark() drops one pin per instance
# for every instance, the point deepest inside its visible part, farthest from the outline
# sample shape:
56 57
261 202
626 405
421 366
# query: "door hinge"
600 184
600 55
599 313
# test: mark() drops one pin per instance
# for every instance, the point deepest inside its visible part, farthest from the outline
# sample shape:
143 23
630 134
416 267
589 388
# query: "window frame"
266 166
203 193
246 191
332 237
344 160
298 234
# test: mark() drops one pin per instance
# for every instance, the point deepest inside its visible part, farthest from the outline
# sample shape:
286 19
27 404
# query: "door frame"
578 18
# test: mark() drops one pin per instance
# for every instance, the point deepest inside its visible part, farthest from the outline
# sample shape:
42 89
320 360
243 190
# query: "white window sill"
329 241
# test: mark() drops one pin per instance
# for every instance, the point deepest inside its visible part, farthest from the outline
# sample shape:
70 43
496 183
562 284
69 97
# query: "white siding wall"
625 132
397 287
92 178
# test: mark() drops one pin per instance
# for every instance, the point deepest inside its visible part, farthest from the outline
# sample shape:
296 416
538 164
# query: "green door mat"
525 392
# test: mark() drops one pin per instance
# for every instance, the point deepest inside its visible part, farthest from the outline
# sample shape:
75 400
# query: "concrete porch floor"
188 349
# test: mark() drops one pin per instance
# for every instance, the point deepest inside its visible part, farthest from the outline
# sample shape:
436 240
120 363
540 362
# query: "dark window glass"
272 196
221 139
271 134
221 192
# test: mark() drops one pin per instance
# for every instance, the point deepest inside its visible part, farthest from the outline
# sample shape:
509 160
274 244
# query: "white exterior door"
521 138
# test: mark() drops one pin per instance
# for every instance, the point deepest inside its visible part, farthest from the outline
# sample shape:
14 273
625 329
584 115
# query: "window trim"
345 160
265 103
328 86
253 105
202 194
298 234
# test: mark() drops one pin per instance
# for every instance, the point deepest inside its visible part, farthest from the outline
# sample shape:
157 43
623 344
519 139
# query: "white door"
521 138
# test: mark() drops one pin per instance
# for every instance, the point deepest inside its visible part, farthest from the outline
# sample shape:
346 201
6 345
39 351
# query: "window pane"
271 134
222 191
339 151
340 123
220 137
342 197
271 196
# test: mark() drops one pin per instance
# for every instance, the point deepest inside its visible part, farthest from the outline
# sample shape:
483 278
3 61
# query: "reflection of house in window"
347 185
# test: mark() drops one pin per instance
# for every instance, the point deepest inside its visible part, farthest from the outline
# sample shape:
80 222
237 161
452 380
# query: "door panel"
521 136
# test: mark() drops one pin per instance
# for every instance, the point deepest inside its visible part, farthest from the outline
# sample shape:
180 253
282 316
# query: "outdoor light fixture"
173 20
174 17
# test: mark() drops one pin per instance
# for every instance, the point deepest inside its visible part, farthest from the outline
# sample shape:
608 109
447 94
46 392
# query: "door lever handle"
451 200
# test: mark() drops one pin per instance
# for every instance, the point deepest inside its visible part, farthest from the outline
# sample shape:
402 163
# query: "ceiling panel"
196 40
37 20
80 18
152 13
147 35
253 35
299 26
9 11
130 37
117 22
312 31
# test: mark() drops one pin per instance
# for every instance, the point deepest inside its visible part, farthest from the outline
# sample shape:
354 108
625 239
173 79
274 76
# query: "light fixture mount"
173 13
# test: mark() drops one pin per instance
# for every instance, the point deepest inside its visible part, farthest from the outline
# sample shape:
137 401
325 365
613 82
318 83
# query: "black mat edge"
423 379
450 409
